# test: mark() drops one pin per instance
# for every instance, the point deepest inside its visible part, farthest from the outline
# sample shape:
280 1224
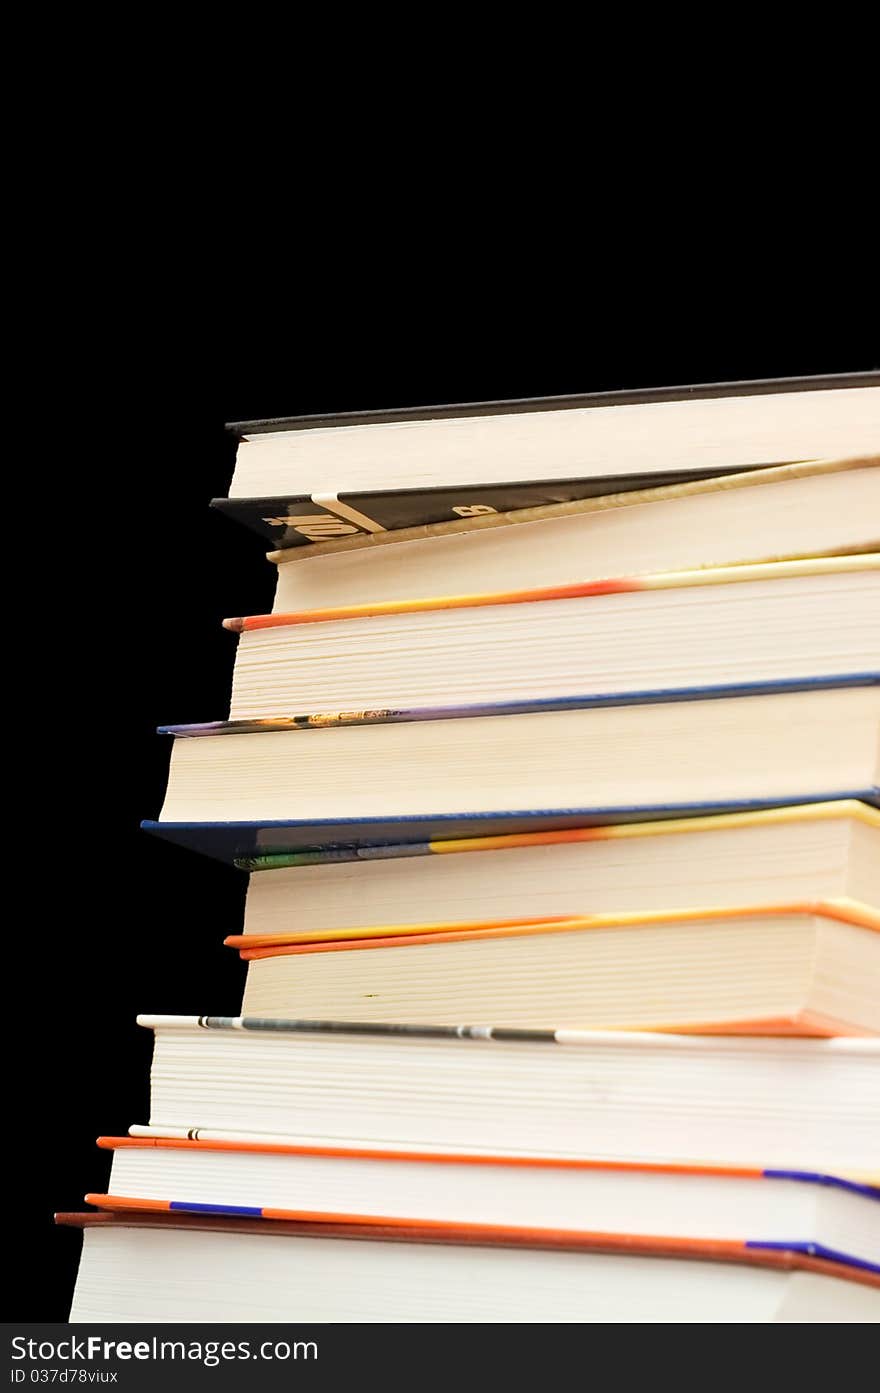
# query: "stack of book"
555 770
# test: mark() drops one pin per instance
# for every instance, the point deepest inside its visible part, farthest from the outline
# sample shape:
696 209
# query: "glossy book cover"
301 520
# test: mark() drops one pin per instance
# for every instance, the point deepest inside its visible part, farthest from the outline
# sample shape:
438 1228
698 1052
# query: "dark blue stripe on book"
855 1187
652 696
816 1250
188 1207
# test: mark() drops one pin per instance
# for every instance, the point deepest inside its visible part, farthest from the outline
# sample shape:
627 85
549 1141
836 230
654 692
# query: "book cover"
613 585
627 492
252 947
867 1185
392 986
783 1256
297 520
321 720
125 1204
270 844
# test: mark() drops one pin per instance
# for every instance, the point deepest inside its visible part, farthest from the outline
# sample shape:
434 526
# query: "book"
784 621
792 1104
305 479
157 1267
754 969
286 849
823 854
797 510
834 1216
555 771
348 781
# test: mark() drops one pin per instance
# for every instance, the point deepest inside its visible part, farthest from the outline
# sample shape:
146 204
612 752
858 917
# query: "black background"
114 614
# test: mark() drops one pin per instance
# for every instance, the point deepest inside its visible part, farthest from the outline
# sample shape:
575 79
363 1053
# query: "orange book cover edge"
253 946
478 1235
618 585
377 1153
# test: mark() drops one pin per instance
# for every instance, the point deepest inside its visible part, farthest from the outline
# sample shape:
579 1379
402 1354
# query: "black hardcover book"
434 465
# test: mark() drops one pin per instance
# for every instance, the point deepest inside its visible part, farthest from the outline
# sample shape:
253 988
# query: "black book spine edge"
636 397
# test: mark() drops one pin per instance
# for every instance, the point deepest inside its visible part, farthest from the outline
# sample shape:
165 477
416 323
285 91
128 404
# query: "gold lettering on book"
316 526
